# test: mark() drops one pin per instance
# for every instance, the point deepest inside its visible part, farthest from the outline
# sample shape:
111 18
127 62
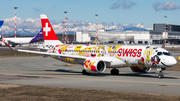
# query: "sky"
111 12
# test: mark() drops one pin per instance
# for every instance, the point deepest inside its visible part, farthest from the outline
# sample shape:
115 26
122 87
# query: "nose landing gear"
161 76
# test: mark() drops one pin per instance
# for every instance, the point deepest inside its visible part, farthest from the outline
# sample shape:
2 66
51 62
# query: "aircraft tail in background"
50 37
38 37
1 23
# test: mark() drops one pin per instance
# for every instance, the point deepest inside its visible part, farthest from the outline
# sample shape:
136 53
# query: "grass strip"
40 93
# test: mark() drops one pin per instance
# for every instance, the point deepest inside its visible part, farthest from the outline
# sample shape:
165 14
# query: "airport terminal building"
155 36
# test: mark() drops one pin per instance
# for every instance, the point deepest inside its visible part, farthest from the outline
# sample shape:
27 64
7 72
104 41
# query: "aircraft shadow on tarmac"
65 71
131 74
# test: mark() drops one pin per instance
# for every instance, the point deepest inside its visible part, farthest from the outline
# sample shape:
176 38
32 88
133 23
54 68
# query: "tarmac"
50 72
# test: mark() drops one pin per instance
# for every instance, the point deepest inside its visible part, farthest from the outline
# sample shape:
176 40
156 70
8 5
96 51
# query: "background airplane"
1 23
23 40
96 58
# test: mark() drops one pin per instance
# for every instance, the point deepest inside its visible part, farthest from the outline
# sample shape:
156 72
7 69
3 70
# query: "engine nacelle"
94 66
140 69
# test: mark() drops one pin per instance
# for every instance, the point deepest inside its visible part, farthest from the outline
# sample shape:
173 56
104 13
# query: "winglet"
9 46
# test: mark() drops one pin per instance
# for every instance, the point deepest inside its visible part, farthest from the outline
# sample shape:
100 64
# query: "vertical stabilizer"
50 37
38 37
1 23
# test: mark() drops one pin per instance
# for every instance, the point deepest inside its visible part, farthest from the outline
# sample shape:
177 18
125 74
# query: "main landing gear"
114 71
85 73
161 76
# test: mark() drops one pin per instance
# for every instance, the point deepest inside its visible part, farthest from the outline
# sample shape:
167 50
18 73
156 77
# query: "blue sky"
146 12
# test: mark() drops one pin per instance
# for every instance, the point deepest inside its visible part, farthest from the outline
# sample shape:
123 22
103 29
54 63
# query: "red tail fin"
48 32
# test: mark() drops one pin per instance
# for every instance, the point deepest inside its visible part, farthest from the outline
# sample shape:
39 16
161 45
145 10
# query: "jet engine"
94 66
140 69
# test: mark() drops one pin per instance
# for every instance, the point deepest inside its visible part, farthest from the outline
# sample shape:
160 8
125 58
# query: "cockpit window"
170 53
164 53
159 53
167 53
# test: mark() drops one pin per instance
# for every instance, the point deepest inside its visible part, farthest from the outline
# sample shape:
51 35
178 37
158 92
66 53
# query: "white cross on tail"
46 29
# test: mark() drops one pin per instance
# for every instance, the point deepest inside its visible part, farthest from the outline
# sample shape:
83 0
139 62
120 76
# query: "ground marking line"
160 83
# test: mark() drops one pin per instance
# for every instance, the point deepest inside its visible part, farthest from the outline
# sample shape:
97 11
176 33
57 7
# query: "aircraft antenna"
96 27
15 20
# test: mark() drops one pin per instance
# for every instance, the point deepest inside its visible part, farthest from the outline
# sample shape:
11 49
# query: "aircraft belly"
115 63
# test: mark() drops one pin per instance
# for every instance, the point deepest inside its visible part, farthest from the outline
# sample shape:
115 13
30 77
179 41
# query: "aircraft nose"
172 61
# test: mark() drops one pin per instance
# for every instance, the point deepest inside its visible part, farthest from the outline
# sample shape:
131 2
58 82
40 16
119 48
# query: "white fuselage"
141 56
23 40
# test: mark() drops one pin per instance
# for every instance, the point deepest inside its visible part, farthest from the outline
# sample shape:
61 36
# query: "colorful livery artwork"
96 58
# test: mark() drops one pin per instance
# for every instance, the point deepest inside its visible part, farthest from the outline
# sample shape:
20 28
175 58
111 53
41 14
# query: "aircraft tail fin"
38 37
50 37
1 23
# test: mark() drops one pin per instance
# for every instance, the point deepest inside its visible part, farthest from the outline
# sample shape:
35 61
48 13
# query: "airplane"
1 23
96 58
23 40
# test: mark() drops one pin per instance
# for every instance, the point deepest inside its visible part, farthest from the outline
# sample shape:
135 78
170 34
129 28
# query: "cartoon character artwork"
111 50
155 61
78 48
102 51
150 58
90 65
68 60
148 54
117 51
59 49
92 51
141 62
64 49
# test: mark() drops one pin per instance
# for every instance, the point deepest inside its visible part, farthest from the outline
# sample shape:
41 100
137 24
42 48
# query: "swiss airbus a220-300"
96 58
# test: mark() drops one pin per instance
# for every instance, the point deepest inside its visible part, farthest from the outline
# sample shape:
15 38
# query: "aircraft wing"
108 59
54 54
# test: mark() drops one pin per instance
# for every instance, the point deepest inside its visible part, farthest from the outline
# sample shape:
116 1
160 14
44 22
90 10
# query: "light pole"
96 27
74 33
62 33
165 31
2 32
15 20
65 27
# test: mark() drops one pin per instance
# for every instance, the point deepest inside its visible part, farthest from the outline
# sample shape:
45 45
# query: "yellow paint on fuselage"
116 49
63 49
148 54
78 48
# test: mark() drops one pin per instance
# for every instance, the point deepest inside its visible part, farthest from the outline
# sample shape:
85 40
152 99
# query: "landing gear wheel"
13 45
85 73
161 76
114 71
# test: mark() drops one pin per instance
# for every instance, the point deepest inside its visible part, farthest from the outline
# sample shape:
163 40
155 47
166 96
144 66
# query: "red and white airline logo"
46 29
124 52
